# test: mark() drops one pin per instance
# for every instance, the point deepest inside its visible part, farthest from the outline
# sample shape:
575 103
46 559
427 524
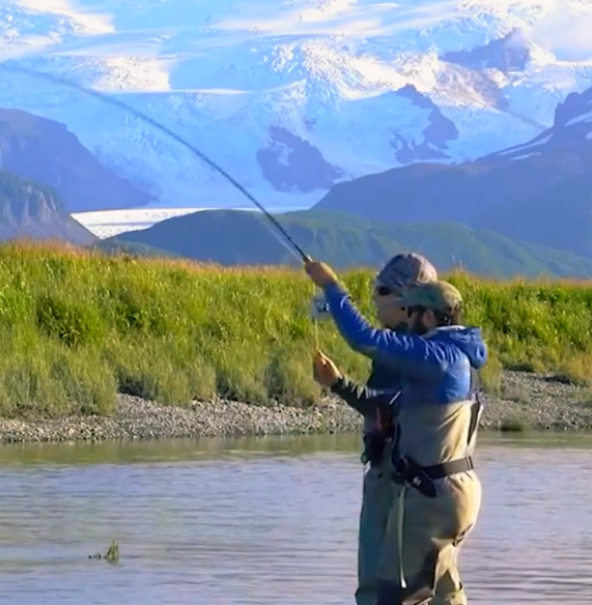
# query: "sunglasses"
383 290
414 309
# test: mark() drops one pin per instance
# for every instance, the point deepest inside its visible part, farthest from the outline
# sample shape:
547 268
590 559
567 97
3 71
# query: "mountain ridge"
234 237
46 152
28 210
539 191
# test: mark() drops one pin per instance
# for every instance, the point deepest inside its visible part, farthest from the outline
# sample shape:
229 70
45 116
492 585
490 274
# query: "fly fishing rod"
296 250
319 309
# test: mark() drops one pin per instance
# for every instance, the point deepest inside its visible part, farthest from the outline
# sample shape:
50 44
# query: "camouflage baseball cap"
438 296
405 270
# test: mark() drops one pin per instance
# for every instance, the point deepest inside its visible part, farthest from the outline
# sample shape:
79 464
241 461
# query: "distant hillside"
32 211
47 153
137 249
539 192
243 238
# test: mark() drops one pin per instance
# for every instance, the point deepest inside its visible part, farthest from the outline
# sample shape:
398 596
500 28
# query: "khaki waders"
436 504
377 502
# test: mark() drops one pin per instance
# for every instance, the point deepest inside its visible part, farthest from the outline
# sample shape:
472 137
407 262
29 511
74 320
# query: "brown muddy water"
270 522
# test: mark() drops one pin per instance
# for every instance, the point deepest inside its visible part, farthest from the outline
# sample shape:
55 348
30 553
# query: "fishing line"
274 225
315 325
292 245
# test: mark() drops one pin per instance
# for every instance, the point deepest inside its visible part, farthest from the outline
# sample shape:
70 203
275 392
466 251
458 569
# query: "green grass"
77 326
513 424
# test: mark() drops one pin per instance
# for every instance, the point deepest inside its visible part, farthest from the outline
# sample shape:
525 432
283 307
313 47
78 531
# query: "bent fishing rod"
275 225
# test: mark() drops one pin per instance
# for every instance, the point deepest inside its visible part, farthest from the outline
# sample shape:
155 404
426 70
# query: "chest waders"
378 496
409 474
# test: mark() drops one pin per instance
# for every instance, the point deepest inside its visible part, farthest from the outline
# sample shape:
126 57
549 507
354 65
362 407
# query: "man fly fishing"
437 492
402 271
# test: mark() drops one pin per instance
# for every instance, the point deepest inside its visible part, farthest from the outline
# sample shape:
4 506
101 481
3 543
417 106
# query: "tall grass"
76 327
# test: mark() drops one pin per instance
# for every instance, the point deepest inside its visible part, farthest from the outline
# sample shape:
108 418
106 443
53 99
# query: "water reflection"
269 521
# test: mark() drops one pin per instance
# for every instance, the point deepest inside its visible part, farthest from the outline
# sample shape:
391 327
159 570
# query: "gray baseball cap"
405 271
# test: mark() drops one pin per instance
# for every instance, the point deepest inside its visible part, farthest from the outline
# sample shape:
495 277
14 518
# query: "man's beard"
418 327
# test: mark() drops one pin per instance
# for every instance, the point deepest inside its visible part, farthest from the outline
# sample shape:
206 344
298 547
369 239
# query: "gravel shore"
538 402
526 402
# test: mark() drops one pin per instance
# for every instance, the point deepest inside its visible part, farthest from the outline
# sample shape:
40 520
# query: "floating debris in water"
112 554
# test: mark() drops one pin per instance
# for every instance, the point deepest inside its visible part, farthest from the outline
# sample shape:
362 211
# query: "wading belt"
411 474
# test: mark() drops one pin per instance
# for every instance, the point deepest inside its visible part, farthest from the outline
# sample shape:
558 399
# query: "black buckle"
414 475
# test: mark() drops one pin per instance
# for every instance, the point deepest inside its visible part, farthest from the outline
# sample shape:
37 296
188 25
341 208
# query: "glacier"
294 96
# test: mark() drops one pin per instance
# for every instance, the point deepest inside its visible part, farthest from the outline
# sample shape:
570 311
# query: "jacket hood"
468 340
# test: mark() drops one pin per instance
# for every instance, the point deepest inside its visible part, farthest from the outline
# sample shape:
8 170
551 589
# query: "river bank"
525 401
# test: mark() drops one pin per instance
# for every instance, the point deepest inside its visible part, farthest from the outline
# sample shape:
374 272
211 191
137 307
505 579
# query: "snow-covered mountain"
294 96
571 131
538 192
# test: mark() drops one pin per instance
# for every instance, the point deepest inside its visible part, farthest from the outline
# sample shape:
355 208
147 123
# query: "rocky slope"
540 191
30 211
46 152
295 97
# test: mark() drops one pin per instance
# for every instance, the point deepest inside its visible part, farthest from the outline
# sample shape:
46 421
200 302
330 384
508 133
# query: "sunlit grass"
77 327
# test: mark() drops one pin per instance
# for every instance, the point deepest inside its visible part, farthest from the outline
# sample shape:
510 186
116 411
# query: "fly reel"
319 308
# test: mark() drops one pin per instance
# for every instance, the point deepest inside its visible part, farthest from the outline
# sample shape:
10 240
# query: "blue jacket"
436 368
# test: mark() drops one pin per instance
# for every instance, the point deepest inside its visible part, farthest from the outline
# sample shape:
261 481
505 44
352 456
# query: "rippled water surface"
269 522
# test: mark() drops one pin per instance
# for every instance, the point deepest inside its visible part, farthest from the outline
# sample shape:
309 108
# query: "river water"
270 521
